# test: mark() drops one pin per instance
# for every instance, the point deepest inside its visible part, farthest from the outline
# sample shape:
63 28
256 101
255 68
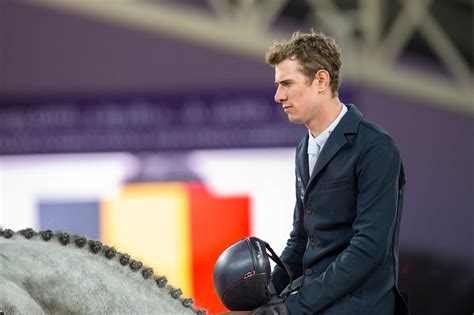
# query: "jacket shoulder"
372 133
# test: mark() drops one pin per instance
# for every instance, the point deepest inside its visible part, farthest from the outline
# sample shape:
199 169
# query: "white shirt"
315 145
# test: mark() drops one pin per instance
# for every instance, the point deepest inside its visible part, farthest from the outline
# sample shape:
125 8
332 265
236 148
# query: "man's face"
298 97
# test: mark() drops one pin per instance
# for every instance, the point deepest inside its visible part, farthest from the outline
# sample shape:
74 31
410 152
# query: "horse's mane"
102 251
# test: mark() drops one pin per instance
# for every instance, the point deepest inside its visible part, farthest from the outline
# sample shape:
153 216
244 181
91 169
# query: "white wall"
266 175
26 180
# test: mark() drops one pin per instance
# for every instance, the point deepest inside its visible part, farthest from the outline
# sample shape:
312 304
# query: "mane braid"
108 252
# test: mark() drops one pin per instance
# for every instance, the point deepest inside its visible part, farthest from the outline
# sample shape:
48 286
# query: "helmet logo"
249 274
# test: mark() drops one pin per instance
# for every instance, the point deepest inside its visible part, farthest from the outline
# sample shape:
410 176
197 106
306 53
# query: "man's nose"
279 96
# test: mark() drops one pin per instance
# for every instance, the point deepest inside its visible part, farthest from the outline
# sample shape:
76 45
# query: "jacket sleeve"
377 171
293 253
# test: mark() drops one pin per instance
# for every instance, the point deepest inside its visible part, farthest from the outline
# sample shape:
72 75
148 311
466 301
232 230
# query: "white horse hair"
59 273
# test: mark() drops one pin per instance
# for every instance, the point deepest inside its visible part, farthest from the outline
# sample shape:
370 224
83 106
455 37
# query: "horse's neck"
67 279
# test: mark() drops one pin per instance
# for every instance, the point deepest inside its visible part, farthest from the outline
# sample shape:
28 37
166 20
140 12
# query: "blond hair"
314 51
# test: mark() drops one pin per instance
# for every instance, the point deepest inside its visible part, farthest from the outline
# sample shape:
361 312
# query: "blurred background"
151 126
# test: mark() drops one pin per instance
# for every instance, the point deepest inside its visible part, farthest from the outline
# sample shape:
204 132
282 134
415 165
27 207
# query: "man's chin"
294 120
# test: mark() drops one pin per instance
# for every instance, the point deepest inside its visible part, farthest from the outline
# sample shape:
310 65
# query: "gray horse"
59 273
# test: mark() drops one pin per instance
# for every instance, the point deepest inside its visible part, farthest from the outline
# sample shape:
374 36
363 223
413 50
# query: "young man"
349 191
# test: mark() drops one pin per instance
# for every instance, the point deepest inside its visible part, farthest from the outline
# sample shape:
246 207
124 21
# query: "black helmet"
242 274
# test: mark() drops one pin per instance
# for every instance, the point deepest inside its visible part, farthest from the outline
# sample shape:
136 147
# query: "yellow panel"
150 222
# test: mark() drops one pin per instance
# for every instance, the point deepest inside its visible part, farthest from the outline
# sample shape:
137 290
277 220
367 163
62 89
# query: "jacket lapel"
302 167
348 124
333 144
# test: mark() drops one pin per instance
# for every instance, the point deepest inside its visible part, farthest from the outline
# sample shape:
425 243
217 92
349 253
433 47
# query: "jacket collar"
349 124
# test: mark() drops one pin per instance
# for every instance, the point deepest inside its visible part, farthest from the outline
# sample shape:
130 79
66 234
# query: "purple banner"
161 122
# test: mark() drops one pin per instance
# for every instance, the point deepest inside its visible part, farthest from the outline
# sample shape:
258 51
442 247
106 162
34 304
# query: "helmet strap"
273 256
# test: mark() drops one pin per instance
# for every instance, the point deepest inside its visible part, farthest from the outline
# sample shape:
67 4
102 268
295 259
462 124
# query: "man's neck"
327 113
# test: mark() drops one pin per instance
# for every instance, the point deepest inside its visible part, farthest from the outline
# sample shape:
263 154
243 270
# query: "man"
349 190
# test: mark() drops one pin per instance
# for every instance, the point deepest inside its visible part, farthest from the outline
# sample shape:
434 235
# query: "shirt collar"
316 144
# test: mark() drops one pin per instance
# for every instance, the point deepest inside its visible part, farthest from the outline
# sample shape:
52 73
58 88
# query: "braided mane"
104 252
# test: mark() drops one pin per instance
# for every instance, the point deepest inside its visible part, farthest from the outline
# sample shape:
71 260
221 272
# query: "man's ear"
323 79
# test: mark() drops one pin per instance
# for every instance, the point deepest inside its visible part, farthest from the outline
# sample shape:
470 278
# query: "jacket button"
312 242
308 272
309 210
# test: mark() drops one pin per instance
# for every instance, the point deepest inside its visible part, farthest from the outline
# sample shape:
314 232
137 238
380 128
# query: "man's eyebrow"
283 81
